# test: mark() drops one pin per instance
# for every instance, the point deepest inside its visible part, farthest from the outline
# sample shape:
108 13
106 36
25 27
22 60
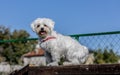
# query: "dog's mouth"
42 33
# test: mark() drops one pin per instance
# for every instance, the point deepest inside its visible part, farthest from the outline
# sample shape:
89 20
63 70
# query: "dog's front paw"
67 63
70 63
53 64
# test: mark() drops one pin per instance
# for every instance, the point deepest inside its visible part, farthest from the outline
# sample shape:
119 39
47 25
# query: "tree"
13 51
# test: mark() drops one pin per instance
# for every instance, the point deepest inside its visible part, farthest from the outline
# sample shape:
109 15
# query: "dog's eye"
45 25
38 26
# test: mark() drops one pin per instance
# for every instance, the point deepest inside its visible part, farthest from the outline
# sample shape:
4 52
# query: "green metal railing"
76 36
94 34
16 40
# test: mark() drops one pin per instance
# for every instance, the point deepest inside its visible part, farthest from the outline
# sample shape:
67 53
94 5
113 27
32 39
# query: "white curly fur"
60 46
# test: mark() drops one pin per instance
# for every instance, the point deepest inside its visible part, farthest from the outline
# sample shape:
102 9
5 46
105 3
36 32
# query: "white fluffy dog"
57 45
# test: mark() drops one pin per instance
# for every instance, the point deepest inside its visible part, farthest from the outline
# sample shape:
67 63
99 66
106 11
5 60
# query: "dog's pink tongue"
42 33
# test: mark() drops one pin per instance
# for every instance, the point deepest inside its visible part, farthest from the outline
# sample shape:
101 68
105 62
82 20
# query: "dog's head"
43 26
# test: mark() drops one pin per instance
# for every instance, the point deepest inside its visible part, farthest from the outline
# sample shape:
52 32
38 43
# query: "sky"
70 16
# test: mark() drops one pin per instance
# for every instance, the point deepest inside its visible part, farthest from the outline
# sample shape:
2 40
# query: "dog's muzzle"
42 32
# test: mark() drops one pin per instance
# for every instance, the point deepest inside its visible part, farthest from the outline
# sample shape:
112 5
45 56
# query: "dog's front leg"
48 57
55 59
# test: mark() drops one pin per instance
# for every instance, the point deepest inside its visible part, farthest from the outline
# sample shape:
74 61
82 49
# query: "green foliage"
105 56
13 51
62 59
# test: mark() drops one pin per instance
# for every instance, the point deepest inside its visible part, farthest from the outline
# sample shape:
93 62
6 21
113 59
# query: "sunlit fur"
60 46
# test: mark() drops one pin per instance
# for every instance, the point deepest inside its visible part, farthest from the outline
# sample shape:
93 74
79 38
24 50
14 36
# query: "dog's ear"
33 26
50 23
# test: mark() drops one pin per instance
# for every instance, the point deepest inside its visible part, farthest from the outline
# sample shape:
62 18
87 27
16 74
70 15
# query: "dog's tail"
90 59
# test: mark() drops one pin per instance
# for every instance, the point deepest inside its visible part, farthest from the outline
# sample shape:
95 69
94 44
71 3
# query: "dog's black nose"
42 29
